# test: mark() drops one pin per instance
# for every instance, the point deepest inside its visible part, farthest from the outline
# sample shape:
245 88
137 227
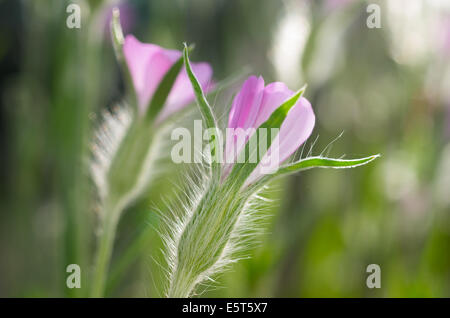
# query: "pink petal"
246 103
274 95
148 64
294 131
243 114
137 56
252 101
182 92
157 67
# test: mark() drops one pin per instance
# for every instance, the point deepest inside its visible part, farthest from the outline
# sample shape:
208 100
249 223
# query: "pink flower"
252 106
148 63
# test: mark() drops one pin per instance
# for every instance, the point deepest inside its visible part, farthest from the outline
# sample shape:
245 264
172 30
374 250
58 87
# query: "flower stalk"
210 227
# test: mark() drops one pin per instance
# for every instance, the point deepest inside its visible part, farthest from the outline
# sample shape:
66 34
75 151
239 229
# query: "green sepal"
207 115
165 86
310 163
118 42
322 162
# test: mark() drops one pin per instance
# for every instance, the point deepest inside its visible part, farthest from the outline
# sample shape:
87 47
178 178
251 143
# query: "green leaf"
241 171
207 114
321 162
205 109
310 163
160 96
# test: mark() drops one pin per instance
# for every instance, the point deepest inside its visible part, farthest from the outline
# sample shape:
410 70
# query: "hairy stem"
183 284
200 249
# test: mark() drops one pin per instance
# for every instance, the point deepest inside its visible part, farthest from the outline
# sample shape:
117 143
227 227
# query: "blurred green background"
387 89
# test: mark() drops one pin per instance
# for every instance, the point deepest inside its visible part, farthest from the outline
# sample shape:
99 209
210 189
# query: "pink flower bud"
253 105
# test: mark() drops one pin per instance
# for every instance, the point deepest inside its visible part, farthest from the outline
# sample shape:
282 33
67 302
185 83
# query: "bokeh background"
387 90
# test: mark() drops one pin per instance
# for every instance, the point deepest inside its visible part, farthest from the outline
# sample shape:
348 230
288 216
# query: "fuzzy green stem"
183 284
104 252
203 240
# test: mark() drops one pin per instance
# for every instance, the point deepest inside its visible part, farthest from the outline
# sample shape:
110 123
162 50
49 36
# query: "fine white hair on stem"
176 215
197 202
107 139
111 133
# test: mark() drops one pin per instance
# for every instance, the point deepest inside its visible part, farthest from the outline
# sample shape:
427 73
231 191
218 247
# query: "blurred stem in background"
58 89
104 252
69 62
